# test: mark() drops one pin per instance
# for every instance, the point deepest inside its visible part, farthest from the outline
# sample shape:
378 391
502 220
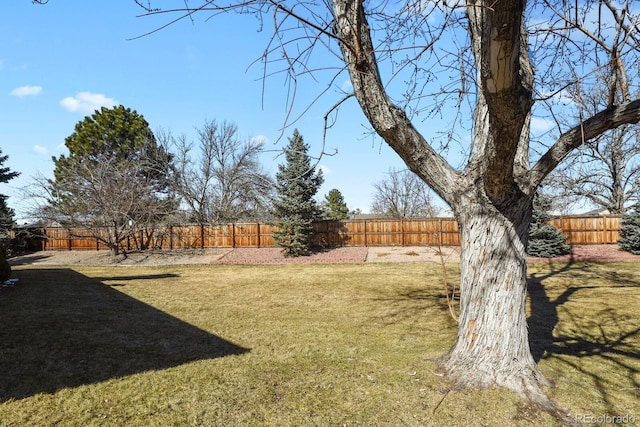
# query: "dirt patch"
413 254
350 254
579 253
151 257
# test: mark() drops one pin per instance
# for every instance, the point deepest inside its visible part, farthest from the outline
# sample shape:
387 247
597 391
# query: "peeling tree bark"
492 346
492 197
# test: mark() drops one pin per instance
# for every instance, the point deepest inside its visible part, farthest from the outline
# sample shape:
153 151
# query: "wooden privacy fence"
379 232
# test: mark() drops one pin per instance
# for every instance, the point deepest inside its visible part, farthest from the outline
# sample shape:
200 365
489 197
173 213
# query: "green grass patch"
295 345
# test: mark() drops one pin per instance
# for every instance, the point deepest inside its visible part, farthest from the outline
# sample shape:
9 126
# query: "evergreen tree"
6 219
545 240
6 213
630 232
115 180
335 206
118 134
295 208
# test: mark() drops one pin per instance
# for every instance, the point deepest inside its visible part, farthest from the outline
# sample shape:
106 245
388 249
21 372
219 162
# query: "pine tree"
630 232
115 180
119 134
545 240
6 219
295 208
335 206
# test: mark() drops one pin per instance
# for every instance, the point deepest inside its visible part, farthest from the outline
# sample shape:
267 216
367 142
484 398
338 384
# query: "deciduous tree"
114 182
487 68
402 194
224 181
606 170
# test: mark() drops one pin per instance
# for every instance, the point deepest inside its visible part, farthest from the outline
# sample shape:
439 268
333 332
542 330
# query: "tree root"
526 383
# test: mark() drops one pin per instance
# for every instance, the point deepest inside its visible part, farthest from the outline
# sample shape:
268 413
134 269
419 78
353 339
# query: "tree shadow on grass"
590 330
59 329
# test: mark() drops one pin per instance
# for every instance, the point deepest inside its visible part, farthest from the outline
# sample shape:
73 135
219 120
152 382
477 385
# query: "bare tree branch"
224 182
592 127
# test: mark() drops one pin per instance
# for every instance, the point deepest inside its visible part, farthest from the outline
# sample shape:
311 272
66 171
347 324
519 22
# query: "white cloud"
39 149
325 170
27 90
87 102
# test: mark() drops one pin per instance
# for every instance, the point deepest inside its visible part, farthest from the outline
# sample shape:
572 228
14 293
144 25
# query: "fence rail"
378 232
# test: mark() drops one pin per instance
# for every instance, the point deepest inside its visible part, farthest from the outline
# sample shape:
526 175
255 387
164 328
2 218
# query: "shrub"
545 240
630 231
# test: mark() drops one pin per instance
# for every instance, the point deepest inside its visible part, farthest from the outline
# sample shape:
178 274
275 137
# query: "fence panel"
217 236
57 239
450 232
354 233
581 230
431 232
384 233
184 237
590 230
246 235
331 233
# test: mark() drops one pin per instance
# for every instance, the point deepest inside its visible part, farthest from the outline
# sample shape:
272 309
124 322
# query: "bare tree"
120 200
484 68
605 170
605 173
402 194
224 181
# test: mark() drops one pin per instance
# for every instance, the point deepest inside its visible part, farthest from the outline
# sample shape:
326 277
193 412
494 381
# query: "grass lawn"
293 345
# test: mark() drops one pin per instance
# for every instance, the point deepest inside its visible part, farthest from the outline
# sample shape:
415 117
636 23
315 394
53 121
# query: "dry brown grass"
295 345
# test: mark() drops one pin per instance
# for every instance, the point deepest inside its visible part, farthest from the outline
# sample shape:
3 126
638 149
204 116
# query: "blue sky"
60 61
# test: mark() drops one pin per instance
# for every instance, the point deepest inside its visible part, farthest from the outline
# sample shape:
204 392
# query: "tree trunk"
492 347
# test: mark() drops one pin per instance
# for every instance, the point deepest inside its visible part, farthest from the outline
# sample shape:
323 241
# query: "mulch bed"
591 253
341 255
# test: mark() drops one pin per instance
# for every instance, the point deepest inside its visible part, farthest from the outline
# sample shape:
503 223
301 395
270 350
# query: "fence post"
233 234
201 236
258 227
365 233
402 232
